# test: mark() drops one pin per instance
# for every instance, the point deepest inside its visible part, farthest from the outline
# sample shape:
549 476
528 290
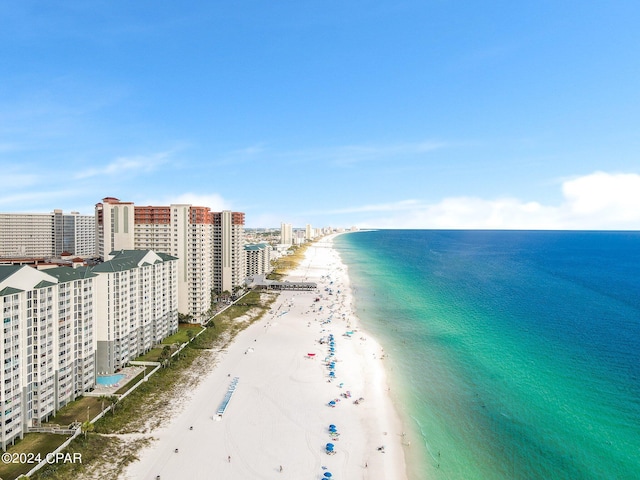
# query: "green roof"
68 274
255 246
7 270
126 260
43 284
166 257
9 291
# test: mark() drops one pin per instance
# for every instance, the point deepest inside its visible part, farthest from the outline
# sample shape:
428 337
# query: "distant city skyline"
412 114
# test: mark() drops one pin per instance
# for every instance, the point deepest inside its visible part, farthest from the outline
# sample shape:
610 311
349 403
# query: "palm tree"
165 355
114 399
102 398
87 427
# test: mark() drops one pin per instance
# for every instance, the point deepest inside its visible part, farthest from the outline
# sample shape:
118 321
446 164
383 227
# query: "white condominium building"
258 259
309 233
228 251
137 291
46 235
48 343
114 226
74 234
185 232
286 234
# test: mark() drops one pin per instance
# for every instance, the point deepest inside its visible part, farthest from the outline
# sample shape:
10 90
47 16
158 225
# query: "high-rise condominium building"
185 232
114 226
208 245
257 259
46 235
137 296
286 234
228 251
48 343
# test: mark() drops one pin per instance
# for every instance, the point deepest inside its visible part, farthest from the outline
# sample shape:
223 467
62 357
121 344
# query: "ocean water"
513 355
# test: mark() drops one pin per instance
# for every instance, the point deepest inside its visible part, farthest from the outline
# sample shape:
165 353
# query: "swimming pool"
108 380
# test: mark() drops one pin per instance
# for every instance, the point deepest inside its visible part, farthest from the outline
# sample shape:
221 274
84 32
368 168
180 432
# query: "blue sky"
391 114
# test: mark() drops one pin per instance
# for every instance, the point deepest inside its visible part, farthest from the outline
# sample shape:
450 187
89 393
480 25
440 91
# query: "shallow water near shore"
512 355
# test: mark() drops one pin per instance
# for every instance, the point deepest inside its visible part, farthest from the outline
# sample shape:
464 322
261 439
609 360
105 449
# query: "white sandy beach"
279 415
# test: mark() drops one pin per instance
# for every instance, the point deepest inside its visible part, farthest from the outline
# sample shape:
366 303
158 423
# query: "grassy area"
285 264
32 443
148 405
77 411
181 336
151 356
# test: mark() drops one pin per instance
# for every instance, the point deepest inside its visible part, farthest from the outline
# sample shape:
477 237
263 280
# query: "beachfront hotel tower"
48 343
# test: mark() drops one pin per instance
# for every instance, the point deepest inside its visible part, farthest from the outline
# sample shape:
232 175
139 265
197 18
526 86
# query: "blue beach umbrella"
330 446
327 474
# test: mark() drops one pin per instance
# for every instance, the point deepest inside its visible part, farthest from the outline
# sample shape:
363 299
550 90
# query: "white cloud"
599 201
137 163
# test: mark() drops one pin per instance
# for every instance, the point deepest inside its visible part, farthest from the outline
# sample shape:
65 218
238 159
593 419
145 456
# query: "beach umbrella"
327 474
332 402
332 426
330 446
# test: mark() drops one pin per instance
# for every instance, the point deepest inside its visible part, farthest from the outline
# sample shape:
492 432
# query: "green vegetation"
32 443
108 454
182 335
148 407
151 356
77 411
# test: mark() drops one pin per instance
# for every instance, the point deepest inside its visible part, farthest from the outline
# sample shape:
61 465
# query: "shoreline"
276 422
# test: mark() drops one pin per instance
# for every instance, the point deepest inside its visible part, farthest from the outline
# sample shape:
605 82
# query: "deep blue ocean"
512 354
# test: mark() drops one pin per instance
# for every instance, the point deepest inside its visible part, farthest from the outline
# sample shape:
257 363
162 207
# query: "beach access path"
276 423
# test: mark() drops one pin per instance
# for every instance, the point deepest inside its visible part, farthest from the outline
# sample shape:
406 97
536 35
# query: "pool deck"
128 372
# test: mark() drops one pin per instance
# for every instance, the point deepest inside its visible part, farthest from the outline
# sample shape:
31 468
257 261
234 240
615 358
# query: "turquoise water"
514 355
107 380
